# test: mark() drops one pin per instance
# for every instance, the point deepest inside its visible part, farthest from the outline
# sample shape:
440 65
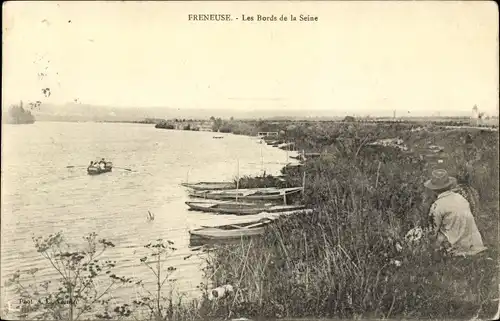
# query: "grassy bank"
350 257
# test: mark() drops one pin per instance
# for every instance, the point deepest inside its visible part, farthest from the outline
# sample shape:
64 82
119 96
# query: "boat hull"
203 186
227 233
268 194
241 208
218 234
97 170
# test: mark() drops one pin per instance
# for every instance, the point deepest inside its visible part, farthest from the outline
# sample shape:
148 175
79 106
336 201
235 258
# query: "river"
40 195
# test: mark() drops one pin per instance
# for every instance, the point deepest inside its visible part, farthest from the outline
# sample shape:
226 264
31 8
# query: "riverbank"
350 258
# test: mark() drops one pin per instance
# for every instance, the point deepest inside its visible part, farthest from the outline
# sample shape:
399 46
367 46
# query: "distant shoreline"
458 122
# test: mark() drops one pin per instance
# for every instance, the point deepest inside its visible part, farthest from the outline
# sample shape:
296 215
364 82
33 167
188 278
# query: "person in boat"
102 163
454 226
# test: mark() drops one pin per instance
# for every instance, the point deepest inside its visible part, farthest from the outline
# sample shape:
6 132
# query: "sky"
362 57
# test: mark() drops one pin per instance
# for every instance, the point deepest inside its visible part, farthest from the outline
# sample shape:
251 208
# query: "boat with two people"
240 208
99 167
269 193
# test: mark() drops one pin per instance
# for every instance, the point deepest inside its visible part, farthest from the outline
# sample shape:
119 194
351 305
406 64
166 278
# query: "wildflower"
396 263
414 235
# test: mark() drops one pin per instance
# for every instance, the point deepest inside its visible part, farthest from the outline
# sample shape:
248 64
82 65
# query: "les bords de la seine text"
244 17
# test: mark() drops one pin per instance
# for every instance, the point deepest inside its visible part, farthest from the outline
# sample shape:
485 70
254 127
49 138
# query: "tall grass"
350 258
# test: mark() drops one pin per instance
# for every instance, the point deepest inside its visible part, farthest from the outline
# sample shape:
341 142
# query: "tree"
160 251
217 124
18 115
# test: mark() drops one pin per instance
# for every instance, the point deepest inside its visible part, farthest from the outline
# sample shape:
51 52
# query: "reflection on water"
40 195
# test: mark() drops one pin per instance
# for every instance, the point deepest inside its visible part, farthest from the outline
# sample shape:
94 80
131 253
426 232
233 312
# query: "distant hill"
84 112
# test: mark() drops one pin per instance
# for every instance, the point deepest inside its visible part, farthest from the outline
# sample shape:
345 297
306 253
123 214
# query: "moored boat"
239 208
230 232
297 157
312 155
210 185
270 193
285 146
274 143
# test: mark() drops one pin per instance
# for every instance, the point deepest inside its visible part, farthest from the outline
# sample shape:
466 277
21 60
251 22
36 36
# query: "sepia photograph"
250 160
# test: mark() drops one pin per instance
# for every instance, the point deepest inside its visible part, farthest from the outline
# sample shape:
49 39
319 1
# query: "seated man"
452 217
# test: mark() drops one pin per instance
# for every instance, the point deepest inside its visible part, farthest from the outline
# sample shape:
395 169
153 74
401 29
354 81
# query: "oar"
127 169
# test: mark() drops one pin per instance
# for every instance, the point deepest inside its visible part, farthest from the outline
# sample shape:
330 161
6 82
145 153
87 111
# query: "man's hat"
440 180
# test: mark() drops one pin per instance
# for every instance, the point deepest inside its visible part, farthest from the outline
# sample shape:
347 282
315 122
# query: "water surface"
40 195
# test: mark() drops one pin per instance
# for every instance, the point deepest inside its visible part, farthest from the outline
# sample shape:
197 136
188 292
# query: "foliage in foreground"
87 282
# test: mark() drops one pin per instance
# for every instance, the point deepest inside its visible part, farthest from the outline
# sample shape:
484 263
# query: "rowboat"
297 157
312 155
240 208
271 193
96 170
202 186
230 232
274 143
285 146
293 165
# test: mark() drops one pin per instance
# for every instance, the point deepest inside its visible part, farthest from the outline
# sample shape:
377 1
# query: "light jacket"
452 217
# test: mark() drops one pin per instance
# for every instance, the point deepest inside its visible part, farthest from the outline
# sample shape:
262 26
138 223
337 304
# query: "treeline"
253 127
17 114
145 121
169 125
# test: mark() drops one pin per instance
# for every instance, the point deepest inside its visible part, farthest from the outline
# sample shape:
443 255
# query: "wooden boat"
312 155
274 142
96 170
271 193
297 157
229 232
290 165
285 146
239 208
203 186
